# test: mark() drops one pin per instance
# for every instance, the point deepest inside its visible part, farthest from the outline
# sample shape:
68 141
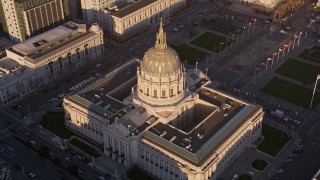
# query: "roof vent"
173 138
188 146
163 133
200 136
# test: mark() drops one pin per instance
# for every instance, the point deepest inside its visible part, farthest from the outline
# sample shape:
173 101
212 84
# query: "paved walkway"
242 164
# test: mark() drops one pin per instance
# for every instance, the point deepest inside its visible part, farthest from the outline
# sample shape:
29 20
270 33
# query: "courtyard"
212 42
188 54
224 26
290 92
274 140
312 54
298 70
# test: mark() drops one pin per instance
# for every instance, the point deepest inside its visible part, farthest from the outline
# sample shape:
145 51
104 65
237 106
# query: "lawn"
188 54
295 94
135 173
222 25
84 147
211 41
245 177
312 54
298 70
54 122
259 164
274 140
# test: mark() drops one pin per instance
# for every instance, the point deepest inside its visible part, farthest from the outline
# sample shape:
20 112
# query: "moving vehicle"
277 114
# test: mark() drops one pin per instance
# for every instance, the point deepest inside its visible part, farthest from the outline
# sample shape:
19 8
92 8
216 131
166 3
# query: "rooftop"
27 46
207 134
11 71
52 41
130 8
98 96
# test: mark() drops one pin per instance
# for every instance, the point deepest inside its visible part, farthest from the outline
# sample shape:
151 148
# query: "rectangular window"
171 92
155 93
163 93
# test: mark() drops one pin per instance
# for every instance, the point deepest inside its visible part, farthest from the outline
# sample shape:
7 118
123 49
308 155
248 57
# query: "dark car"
16 166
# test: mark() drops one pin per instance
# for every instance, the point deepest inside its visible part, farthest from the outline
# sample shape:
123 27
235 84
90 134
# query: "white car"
287 118
33 142
235 176
61 95
102 178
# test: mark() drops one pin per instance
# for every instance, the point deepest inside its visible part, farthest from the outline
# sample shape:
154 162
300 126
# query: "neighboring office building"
123 19
75 9
16 81
170 123
59 51
22 19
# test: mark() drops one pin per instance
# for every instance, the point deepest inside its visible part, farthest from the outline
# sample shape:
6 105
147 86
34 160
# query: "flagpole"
314 90
267 66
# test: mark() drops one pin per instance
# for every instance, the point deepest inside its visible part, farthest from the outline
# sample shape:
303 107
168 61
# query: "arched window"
78 53
86 49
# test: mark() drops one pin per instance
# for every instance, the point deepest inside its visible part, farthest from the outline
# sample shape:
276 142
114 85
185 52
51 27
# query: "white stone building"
171 124
16 81
123 19
59 51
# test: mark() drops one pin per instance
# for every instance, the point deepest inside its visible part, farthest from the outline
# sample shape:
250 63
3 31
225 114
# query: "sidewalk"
242 164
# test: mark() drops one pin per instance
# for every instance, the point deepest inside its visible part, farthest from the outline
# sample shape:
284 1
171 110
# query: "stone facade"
130 18
60 51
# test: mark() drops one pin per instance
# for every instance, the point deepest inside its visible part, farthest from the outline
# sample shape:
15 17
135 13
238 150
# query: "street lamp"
262 64
244 27
254 74
225 49
220 48
278 53
238 36
294 40
249 30
214 51
269 59
196 65
300 33
254 24
232 40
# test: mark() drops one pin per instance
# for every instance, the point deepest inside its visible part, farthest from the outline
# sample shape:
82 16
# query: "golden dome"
160 59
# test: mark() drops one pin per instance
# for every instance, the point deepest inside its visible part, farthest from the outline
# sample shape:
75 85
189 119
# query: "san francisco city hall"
164 118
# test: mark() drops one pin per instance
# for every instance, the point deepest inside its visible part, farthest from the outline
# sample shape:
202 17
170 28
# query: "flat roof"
202 141
49 36
130 8
97 98
10 71
52 42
